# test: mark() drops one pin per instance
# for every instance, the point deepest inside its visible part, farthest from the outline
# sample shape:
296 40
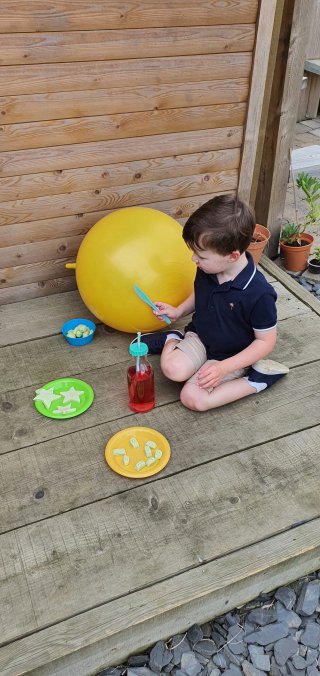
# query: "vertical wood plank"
281 118
258 81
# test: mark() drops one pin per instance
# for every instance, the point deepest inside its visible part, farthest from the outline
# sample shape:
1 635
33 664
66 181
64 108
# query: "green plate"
63 398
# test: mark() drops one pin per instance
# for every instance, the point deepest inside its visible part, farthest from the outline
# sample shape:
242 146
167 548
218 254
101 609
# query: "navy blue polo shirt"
226 315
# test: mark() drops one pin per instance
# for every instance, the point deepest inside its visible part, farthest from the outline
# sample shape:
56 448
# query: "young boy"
221 355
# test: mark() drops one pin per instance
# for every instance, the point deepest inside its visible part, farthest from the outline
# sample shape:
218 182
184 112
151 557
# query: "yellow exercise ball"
135 245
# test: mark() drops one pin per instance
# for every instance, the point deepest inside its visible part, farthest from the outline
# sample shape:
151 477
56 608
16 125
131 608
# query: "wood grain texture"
122 73
34 272
58 15
79 224
85 45
313 43
280 118
86 129
46 317
115 198
290 283
259 74
21 162
13 294
40 251
228 514
39 317
107 175
56 463
60 563
60 105
102 634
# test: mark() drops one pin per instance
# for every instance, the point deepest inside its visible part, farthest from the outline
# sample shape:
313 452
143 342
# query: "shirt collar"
243 279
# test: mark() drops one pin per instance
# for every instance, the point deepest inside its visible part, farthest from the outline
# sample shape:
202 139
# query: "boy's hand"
211 376
165 309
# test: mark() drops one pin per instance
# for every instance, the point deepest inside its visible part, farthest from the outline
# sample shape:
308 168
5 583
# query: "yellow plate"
142 435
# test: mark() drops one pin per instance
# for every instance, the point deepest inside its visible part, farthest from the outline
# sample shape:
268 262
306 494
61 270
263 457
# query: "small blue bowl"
71 324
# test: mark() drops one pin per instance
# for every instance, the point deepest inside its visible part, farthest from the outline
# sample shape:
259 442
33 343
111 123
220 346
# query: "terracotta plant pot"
295 258
314 266
261 235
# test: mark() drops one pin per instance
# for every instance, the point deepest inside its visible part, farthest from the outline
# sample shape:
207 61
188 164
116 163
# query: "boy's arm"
175 313
263 344
187 306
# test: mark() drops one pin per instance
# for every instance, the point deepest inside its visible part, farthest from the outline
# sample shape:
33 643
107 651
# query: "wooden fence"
106 105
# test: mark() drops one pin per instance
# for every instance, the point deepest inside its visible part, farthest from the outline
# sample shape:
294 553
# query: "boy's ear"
234 256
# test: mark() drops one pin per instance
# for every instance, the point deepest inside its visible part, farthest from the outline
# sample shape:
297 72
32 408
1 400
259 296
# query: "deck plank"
20 365
164 609
82 567
42 317
80 559
69 474
39 317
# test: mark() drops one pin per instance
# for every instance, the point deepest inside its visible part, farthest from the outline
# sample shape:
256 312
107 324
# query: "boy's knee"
192 399
173 369
173 372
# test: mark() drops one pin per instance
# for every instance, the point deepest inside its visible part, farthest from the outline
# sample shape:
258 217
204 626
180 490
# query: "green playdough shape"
63 398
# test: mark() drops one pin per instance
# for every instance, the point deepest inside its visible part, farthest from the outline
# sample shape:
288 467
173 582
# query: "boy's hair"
223 224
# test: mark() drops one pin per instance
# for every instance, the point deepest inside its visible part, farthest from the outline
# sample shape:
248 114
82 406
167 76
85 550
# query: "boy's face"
211 262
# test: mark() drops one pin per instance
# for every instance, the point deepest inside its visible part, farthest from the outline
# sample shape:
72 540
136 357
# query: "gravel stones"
205 647
189 664
308 598
284 649
179 645
276 634
288 616
311 635
258 658
235 640
250 670
313 287
286 596
262 616
268 634
194 634
160 656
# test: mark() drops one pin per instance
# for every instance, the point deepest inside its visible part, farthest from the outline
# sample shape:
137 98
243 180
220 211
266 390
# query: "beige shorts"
192 346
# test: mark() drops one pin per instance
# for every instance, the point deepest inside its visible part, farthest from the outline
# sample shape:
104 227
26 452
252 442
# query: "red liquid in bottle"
141 388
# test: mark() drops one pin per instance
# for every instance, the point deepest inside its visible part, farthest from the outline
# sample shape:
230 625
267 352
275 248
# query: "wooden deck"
102 566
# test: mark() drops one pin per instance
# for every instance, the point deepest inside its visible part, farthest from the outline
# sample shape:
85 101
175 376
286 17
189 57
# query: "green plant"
292 234
316 254
310 185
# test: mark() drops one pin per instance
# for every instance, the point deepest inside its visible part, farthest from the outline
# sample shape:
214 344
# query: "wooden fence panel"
33 16
27 48
144 104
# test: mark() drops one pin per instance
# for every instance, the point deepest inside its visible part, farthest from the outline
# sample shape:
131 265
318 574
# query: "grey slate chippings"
268 634
286 596
276 634
313 287
311 635
309 598
160 656
284 649
189 664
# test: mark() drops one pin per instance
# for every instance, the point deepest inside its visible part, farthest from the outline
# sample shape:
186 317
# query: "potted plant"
259 241
295 242
314 262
